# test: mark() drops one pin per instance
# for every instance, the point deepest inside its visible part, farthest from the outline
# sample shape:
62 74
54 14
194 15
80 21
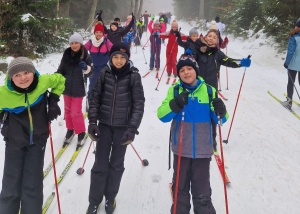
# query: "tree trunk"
140 8
201 9
92 12
136 8
64 8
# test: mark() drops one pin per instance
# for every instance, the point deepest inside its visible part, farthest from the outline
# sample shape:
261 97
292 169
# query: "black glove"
128 136
83 65
179 102
219 107
285 65
93 131
177 33
99 15
133 17
53 108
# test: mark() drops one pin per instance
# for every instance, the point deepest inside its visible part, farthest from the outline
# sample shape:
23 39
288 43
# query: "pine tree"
31 28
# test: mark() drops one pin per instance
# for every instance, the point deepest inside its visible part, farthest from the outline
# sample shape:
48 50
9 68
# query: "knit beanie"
298 23
20 64
187 59
99 27
174 24
120 48
76 37
193 31
213 26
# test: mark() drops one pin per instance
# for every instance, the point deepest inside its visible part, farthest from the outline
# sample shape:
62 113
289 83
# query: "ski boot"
92 209
287 103
81 139
69 136
110 206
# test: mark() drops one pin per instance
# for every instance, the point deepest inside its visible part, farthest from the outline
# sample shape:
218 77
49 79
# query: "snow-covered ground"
260 158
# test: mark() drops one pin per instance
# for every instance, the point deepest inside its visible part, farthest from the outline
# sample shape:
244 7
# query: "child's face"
174 28
118 60
188 75
211 38
156 27
75 46
98 34
113 27
23 79
194 37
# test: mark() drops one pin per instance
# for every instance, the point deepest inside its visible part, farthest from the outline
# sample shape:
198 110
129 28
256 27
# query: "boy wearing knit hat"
24 126
115 114
190 40
193 147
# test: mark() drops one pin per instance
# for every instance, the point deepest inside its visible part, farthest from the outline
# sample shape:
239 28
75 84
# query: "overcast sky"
156 6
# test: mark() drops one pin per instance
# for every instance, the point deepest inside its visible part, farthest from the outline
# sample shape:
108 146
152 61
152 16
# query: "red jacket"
172 43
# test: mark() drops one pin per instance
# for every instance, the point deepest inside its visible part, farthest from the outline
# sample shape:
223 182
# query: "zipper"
113 101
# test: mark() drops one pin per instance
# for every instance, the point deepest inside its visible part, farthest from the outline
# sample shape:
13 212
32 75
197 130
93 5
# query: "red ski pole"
237 100
223 164
145 161
178 162
54 168
146 42
80 171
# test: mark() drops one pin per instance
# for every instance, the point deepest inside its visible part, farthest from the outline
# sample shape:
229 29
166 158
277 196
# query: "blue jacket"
293 53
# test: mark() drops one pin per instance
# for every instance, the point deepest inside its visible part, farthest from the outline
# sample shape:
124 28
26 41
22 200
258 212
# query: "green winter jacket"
197 133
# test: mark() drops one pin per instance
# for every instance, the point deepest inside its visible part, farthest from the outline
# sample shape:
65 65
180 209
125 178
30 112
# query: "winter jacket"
210 62
16 129
116 36
146 17
100 55
293 53
140 26
172 43
155 42
129 38
118 102
165 18
198 113
69 67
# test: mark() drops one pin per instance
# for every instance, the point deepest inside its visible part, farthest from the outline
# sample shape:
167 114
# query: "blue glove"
188 52
83 65
246 62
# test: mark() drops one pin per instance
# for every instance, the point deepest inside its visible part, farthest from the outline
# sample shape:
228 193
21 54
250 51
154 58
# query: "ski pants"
108 167
73 114
171 61
94 77
291 80
194 177
155 58
22 183
138 39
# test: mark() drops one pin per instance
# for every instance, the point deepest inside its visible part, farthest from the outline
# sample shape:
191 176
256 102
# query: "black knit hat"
120 48
187 59
298 23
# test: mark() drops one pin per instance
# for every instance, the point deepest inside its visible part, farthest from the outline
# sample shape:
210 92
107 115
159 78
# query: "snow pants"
108 168
94 77
291 80
155 58
73 114
194 177
22 183
171 61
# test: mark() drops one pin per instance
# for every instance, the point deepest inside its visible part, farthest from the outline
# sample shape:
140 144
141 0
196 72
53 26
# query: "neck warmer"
96 42
29 89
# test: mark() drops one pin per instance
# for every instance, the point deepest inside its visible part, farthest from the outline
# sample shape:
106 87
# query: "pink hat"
174 24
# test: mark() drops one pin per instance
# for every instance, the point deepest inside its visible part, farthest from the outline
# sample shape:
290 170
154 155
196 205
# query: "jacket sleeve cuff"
174 107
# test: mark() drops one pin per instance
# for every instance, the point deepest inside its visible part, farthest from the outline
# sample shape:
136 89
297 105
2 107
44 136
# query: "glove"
285 65
53 108
188 52
177 33
246 62
83 65
128 136
152 17
133 17
219 107
99 15
226 40
179 102
94 132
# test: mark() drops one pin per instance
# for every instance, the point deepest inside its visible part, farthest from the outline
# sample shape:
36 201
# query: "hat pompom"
213 26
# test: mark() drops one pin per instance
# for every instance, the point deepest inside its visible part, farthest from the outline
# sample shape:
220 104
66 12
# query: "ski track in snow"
260 158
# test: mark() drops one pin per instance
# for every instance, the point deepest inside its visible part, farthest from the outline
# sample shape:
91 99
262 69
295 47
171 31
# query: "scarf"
96 42
204 47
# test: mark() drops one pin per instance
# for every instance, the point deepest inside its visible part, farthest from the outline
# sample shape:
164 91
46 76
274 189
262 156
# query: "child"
99 47
191 94
190 41
163 26
155 44
292 62
118 20
25 131
116 110
75 66
210 59
140 29
172 50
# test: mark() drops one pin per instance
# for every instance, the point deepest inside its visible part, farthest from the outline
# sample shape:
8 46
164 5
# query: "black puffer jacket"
71 70
188 44
119 101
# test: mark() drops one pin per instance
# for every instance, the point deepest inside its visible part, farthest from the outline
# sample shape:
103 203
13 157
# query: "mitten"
179 102
93 131
246 62
53 108
219 107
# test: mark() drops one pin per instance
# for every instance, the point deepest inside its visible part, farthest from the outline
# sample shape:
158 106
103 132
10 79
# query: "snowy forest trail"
261 158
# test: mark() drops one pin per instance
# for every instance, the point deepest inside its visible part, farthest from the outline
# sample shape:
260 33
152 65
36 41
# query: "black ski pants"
108 168
194 177
22 183
291 80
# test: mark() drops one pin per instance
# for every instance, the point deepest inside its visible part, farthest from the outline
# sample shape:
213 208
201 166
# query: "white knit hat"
20 64
213 26
76 37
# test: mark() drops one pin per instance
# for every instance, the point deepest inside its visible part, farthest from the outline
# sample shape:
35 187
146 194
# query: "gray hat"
76 37
20 64
193 31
